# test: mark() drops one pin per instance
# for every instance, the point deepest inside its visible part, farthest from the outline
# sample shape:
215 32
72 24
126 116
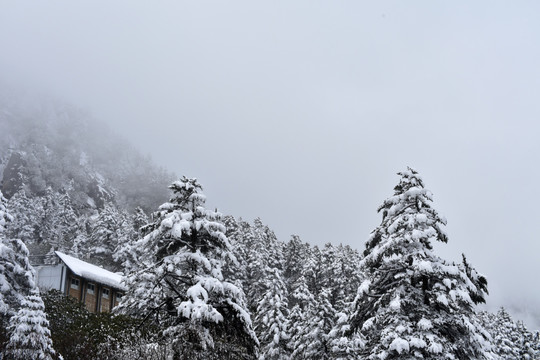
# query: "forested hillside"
70 182
203 285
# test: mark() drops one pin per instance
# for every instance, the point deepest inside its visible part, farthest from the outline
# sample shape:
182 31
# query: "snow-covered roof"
91 272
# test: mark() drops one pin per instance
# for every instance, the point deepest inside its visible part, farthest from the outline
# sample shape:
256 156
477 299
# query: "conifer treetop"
408 218
187 194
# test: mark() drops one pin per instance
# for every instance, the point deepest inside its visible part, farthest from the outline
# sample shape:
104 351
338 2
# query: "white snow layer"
400 345
92 272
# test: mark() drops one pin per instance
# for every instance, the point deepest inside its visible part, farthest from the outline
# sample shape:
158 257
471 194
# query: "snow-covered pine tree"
139 220
348 260
321 321
16 275
257 275
125 255
271 246
26 212
271 319
299 317
334 278
106 232
236 270
414 304
511 339
66 224
47 229
19 300
263 255
506 337
527 344
180 285
314 271
30 337
295 255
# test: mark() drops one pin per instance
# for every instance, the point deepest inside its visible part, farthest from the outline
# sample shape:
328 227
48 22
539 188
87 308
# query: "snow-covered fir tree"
48 219
16 278
239 237
26 212
30 337
131 229
23 324
180 285
322 316
271 319
511 339
139 220
66 224
295 255
413 304
529 343
105 235
314 271
350 276
506 337
264 255
272 248
299 317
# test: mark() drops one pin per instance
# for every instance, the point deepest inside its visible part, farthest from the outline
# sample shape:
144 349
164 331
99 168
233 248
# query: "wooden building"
98 289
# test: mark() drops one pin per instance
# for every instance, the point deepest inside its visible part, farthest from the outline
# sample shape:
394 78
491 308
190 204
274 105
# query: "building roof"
92 272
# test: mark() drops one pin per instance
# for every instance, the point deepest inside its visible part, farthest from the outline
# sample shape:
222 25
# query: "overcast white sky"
301 112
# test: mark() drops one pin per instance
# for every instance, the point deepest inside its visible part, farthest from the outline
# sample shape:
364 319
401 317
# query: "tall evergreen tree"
180 285
511 339
299 317
321 321
414 304
66 224
16 276
314 273
506 337
236 269
105 235
126 254
26 212
348 261
263 257
29 328
139 221
270 245
529 343
22 320
295 256
47 228
271 319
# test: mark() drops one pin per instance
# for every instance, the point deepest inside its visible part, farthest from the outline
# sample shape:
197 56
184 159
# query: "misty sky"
301 112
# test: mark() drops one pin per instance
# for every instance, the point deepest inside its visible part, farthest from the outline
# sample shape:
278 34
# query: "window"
105 293
74 283
90 288
118 296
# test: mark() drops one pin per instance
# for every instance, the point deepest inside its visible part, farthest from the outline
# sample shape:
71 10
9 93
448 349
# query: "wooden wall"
94 302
